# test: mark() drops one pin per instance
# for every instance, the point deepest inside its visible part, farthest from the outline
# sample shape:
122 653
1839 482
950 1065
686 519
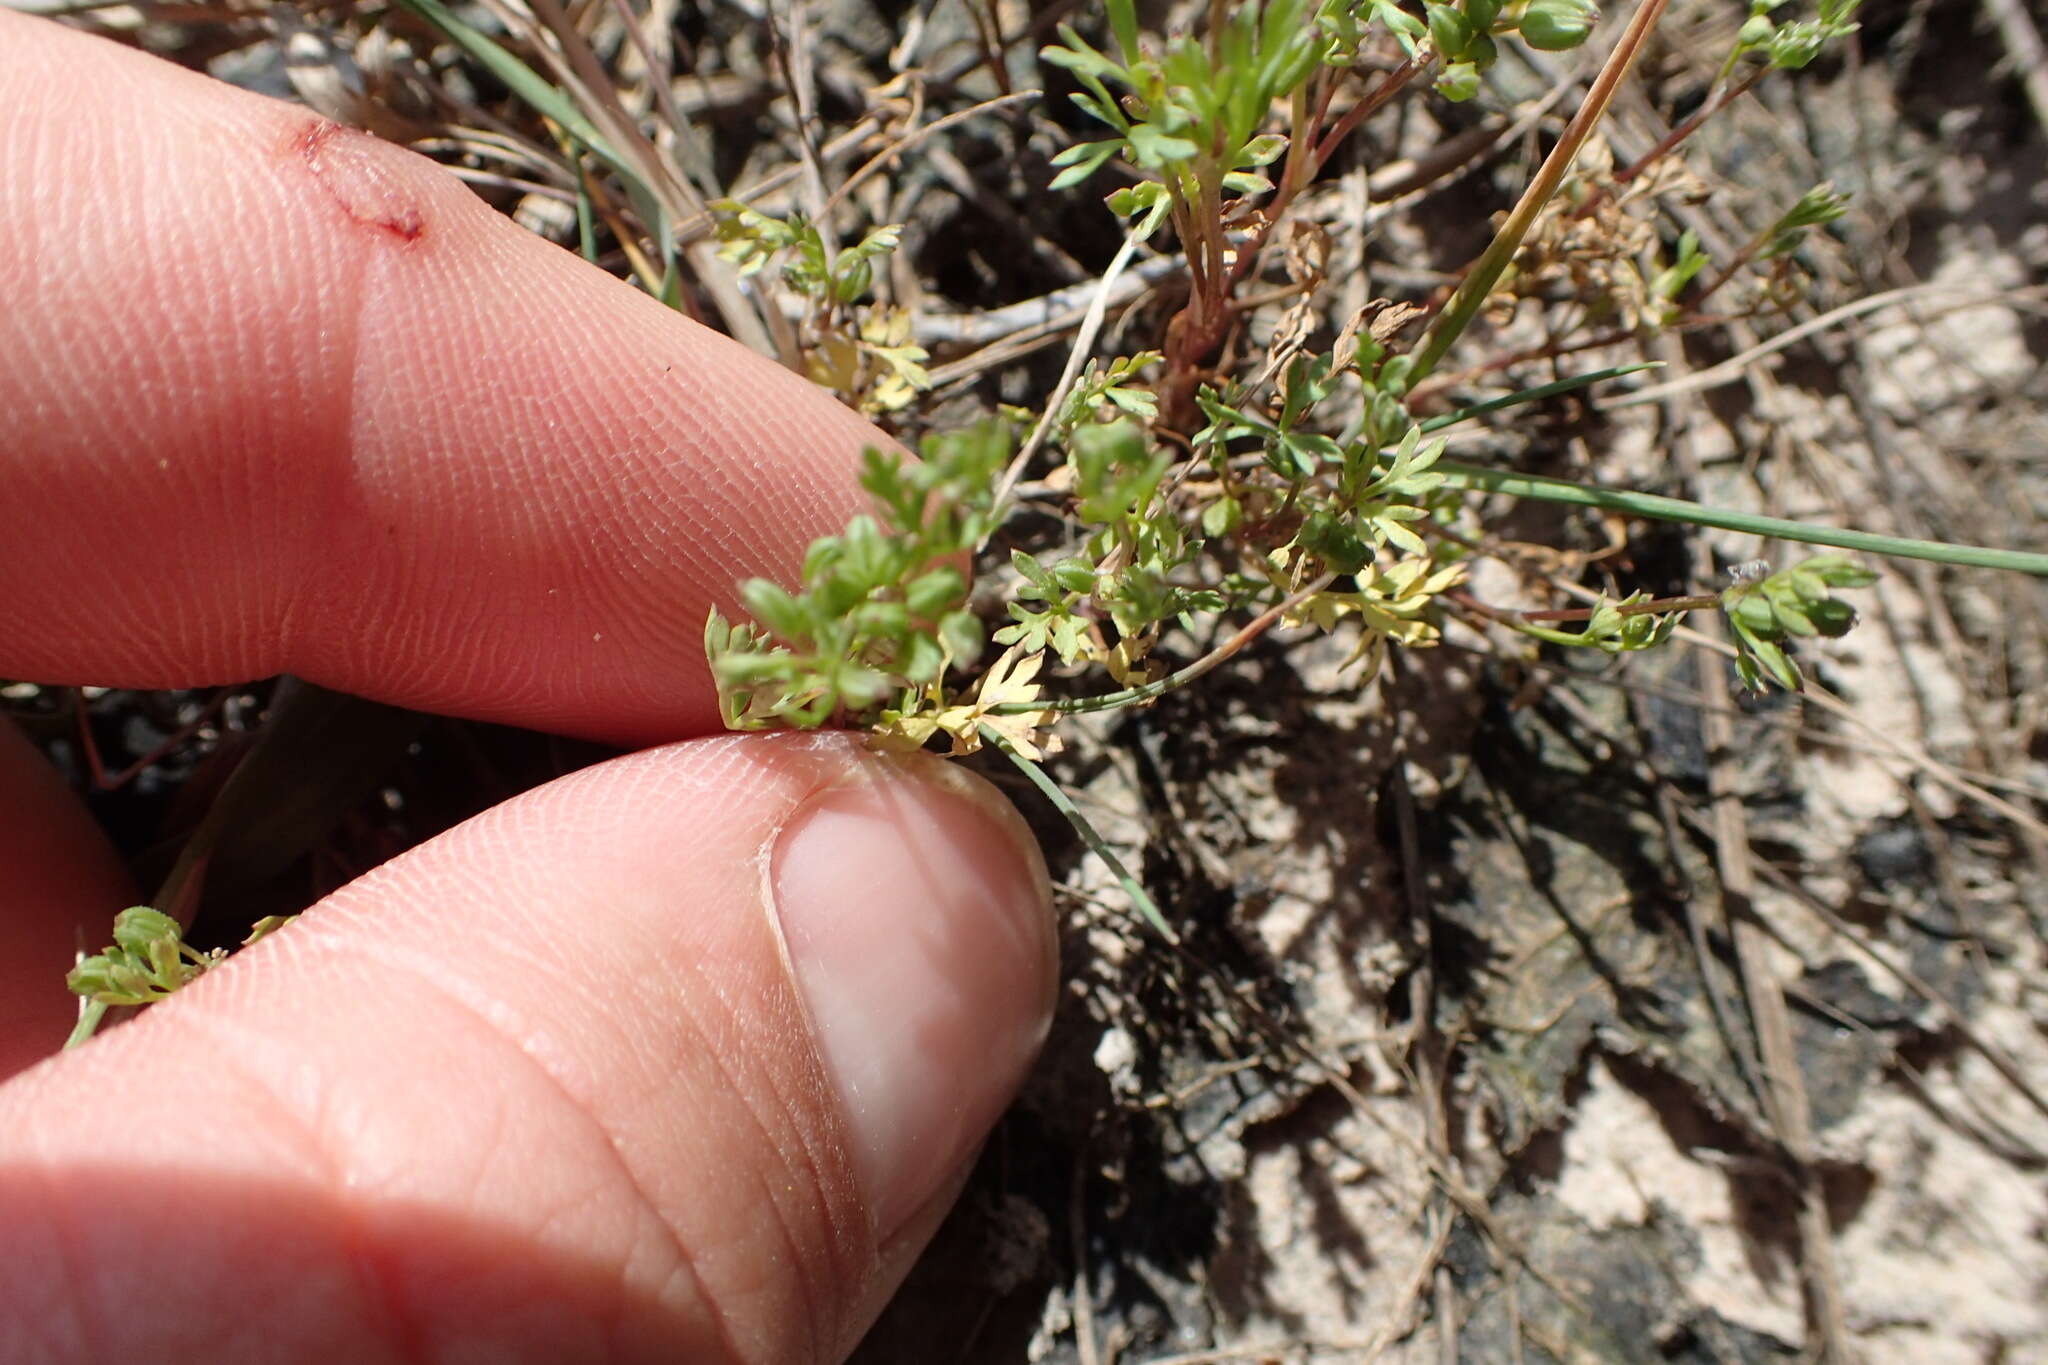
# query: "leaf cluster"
883 607
148 960
1765 613
868 356
1670 280
1791 46
751 239
1349 498
1190 115
1819 205
1129 567
1108 390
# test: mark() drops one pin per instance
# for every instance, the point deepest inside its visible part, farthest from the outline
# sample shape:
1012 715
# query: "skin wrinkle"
243 493
604 392
341 339
818 1302
718 1044
380 1309
436 986
820 1100
118 1293
382 967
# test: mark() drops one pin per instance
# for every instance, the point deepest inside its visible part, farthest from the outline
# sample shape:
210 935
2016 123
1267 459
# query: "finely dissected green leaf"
1312 494
1817 206
882 609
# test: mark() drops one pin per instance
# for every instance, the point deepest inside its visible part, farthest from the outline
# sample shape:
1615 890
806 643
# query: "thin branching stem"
1659 606
1669 142
89 1017
1486 272
1131 696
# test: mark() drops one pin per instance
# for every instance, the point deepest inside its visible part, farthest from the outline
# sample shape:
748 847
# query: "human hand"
681 1057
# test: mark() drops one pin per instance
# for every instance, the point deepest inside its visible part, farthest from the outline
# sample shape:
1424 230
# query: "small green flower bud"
1558 25
1459 82
139 928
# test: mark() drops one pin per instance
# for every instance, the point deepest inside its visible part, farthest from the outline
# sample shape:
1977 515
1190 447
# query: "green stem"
1531 395
1159 687
1678 509
1090 836
88 1022
1487 270
1656 606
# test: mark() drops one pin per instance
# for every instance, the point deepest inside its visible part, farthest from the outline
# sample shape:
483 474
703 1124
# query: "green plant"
1190 117
1310 495
147 961
1309 491
864 354
882 611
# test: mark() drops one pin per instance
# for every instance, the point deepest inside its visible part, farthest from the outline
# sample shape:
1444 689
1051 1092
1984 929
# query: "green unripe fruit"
1558 25
140 928
1459 82
1449 30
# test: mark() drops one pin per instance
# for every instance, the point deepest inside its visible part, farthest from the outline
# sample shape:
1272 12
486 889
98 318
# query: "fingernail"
917 916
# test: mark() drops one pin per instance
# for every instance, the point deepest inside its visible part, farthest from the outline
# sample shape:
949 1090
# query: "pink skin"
678 1058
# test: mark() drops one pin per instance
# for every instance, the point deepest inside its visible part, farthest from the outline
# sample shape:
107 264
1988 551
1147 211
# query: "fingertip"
917 914
342 419
574 1028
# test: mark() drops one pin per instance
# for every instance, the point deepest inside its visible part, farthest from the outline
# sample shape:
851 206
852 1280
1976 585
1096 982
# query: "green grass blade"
523 81
586 219
1678 509
1521 396
1089 835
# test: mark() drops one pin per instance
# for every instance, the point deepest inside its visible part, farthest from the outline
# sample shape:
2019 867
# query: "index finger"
288 399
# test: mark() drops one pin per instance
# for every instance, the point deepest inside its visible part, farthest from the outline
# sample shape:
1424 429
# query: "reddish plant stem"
1195 333
1671 140
1692 125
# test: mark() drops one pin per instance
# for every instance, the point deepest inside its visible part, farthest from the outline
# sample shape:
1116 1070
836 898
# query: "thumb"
680 1057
